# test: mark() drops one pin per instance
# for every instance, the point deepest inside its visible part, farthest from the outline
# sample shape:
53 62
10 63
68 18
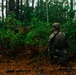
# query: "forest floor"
26 65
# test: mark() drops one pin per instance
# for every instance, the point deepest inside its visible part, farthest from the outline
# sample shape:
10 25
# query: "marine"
57 44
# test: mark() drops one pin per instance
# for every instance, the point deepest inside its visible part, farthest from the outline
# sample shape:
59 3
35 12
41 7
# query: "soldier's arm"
50 40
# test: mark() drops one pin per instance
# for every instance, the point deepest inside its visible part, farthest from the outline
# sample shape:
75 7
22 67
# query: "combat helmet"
56 25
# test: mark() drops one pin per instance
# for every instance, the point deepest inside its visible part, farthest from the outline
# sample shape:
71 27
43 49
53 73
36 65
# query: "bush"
11 41
12 23
39 32
70 30
14 36
11 33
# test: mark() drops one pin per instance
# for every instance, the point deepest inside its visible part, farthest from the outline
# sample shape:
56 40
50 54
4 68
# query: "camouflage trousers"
61 54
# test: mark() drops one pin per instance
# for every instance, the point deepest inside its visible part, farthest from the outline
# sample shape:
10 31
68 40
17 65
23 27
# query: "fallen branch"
12 71
64 68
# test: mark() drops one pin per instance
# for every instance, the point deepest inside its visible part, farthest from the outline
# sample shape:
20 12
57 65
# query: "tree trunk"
17 9
32 3
11 6
47 15
71 4
27 3
38 3
21 11
6 8
41 4
71 10
2 10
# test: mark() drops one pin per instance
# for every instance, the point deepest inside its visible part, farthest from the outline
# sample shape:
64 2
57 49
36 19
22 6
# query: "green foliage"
1 23
12 37
12 23
39 32
5 37
10 40
16 40
11 31
70 29
57 11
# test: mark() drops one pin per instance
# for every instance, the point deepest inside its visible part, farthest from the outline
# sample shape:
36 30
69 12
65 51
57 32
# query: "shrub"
12 37
11 41
39 32
70 30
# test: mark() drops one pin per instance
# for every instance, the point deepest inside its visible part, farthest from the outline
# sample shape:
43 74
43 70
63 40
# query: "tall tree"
17 9
27 3
21 10
47 15
7 7
11 5
32 3
2 10
38 3
71 10
41 5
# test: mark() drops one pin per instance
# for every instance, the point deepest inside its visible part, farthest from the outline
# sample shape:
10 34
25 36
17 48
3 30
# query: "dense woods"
25 26
29 22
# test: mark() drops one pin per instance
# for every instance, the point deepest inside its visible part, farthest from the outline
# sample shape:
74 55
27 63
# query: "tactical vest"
59 41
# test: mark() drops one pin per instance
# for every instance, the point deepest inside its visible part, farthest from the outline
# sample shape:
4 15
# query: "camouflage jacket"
56 41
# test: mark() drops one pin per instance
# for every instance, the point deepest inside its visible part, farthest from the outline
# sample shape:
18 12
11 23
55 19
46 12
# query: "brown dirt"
25 65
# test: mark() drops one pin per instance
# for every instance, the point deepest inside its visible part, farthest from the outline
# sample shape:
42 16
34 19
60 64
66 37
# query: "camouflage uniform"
57 46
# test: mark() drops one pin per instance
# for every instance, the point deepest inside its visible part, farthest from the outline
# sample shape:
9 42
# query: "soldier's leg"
62 59
50 54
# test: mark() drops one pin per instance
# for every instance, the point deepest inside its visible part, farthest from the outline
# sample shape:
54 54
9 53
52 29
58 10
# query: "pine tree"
11 6
17 9
2 10
47 15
